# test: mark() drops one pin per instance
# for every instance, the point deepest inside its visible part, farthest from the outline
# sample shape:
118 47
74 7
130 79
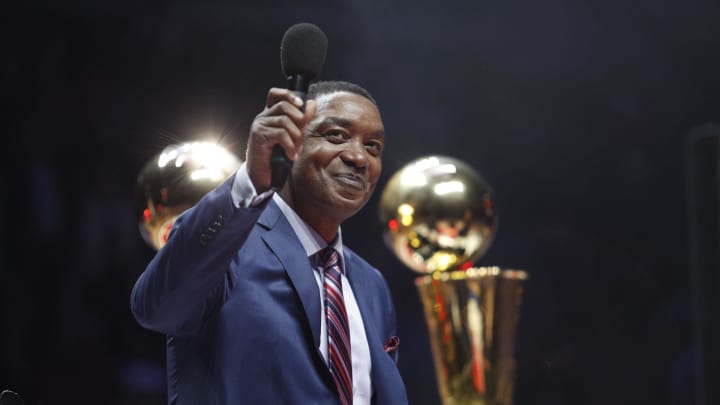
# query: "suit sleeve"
186 278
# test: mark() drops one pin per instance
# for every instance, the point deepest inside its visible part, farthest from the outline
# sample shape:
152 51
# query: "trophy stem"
472 318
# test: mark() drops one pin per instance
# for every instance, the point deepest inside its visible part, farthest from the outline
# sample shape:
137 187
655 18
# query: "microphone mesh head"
302 51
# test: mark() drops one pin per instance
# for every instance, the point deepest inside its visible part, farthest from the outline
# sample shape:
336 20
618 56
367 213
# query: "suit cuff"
243 192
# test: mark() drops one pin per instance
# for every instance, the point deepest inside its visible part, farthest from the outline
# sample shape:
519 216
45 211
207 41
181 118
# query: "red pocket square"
392 344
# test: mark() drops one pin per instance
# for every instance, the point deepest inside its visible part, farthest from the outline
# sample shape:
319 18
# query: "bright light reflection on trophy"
174 180
440 216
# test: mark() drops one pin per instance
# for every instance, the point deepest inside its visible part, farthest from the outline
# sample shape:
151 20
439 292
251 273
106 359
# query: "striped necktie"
338 330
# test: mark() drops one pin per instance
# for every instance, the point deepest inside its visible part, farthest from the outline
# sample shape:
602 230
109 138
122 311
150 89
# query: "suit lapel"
281 239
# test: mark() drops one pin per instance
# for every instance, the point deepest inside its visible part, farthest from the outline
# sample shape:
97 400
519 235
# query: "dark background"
575 111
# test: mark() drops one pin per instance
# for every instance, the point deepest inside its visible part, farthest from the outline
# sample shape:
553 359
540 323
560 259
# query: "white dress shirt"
244 194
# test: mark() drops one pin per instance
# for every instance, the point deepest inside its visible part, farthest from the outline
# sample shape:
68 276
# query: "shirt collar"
311 241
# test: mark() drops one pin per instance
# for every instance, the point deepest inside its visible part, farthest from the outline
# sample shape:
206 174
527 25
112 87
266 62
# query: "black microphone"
302 55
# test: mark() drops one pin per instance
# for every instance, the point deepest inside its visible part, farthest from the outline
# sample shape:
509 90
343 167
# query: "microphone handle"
280 165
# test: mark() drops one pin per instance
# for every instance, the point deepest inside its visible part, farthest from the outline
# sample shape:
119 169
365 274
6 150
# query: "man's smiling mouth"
351 180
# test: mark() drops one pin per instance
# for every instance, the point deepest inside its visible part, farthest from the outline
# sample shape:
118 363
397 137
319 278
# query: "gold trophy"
174 180
439 217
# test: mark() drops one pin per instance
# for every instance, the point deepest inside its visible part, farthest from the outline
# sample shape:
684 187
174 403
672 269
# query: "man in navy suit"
238 288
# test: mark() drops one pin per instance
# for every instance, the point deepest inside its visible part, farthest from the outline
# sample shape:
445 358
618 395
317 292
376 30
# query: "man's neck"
324 225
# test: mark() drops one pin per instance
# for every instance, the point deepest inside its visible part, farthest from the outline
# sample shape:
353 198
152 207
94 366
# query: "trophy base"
472 318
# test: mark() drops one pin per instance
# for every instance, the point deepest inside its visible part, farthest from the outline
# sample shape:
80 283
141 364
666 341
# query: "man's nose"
355 155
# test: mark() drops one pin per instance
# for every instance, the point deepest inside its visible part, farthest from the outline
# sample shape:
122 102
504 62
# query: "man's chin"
350 200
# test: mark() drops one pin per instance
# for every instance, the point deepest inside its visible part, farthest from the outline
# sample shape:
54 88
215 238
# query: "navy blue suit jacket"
235 292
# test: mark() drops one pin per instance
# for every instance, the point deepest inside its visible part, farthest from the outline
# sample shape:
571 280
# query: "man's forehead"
377 130
343 103
347 109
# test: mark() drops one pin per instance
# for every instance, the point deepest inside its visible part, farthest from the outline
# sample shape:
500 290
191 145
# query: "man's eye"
375 147
335 136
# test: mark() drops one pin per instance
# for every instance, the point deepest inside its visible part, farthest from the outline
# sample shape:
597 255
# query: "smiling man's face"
338 167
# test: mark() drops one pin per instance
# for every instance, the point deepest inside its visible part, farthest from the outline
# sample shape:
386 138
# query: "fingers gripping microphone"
302 55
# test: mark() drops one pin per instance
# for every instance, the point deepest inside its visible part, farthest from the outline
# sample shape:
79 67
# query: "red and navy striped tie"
338 330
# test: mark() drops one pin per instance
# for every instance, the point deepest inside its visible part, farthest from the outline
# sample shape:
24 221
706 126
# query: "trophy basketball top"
438 214
173 181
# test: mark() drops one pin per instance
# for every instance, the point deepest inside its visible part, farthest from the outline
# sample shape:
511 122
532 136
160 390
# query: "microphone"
302 55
